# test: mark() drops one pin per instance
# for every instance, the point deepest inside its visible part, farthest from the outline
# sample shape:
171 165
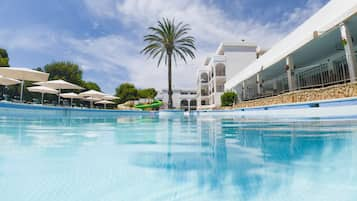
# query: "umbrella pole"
22 90
42 94
91 104
71 101
105 106
59 97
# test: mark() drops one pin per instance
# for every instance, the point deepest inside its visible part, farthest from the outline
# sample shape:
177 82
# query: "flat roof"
327 18
220 49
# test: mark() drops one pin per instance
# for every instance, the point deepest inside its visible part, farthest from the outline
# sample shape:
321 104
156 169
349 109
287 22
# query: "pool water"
198 158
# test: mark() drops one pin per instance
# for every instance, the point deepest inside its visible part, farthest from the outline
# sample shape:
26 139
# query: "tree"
147 93
169 40
4 58
228 98
90 85
126 92
68 71
64 70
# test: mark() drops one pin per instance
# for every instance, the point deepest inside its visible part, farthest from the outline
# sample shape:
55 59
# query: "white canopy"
8 81
69 95
43 90
110 97
92 93
24 74
104 102
91 99
58 84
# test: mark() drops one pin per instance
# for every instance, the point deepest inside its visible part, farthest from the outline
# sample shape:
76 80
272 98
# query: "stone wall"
332 92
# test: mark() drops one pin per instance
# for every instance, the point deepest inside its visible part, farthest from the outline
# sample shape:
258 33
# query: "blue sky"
105 36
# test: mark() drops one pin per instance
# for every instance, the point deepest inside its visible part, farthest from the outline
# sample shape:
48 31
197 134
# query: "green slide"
154 104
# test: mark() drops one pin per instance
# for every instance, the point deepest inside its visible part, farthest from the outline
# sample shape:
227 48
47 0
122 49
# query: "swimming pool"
148 157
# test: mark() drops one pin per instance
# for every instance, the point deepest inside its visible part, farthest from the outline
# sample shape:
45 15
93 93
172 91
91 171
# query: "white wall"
237 61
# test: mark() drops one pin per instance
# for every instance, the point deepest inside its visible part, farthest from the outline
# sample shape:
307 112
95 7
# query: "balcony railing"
316 76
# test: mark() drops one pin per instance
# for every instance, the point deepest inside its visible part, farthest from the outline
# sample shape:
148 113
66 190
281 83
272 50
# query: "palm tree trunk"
170 81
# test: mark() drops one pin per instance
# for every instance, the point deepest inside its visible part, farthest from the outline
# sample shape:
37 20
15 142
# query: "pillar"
290 73
348 46
275 86
259 84
244 88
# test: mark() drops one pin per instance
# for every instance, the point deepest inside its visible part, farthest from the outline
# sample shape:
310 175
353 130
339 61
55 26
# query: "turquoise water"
152 158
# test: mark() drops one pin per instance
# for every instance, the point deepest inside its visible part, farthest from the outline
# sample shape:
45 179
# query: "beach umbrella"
91 100
110 97
5 81
23 74
59 85
70 96
43 90
105 102
92 93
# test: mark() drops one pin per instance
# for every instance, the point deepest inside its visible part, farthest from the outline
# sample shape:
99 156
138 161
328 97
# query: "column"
290 73
259 84
244 88
350 56
275 86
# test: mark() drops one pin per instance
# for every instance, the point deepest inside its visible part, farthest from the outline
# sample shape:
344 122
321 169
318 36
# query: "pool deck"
344 107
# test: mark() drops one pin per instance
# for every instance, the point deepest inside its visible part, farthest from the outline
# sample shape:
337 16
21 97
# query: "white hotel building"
319 53
229 59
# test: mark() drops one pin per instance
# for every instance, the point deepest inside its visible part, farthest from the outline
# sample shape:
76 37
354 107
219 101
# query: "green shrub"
228 98
4 62
4 58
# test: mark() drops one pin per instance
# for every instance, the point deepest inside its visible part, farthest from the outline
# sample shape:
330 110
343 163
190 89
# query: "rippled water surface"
151 158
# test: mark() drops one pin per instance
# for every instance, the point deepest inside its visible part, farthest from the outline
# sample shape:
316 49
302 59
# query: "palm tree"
169 40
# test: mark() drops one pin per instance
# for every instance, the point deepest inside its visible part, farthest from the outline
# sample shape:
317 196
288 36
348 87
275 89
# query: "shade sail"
24 74
42 89
92 93
104 102
110 97
58 84
70 95
8 81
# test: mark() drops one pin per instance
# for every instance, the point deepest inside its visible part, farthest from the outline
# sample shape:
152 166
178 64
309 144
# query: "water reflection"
248 153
